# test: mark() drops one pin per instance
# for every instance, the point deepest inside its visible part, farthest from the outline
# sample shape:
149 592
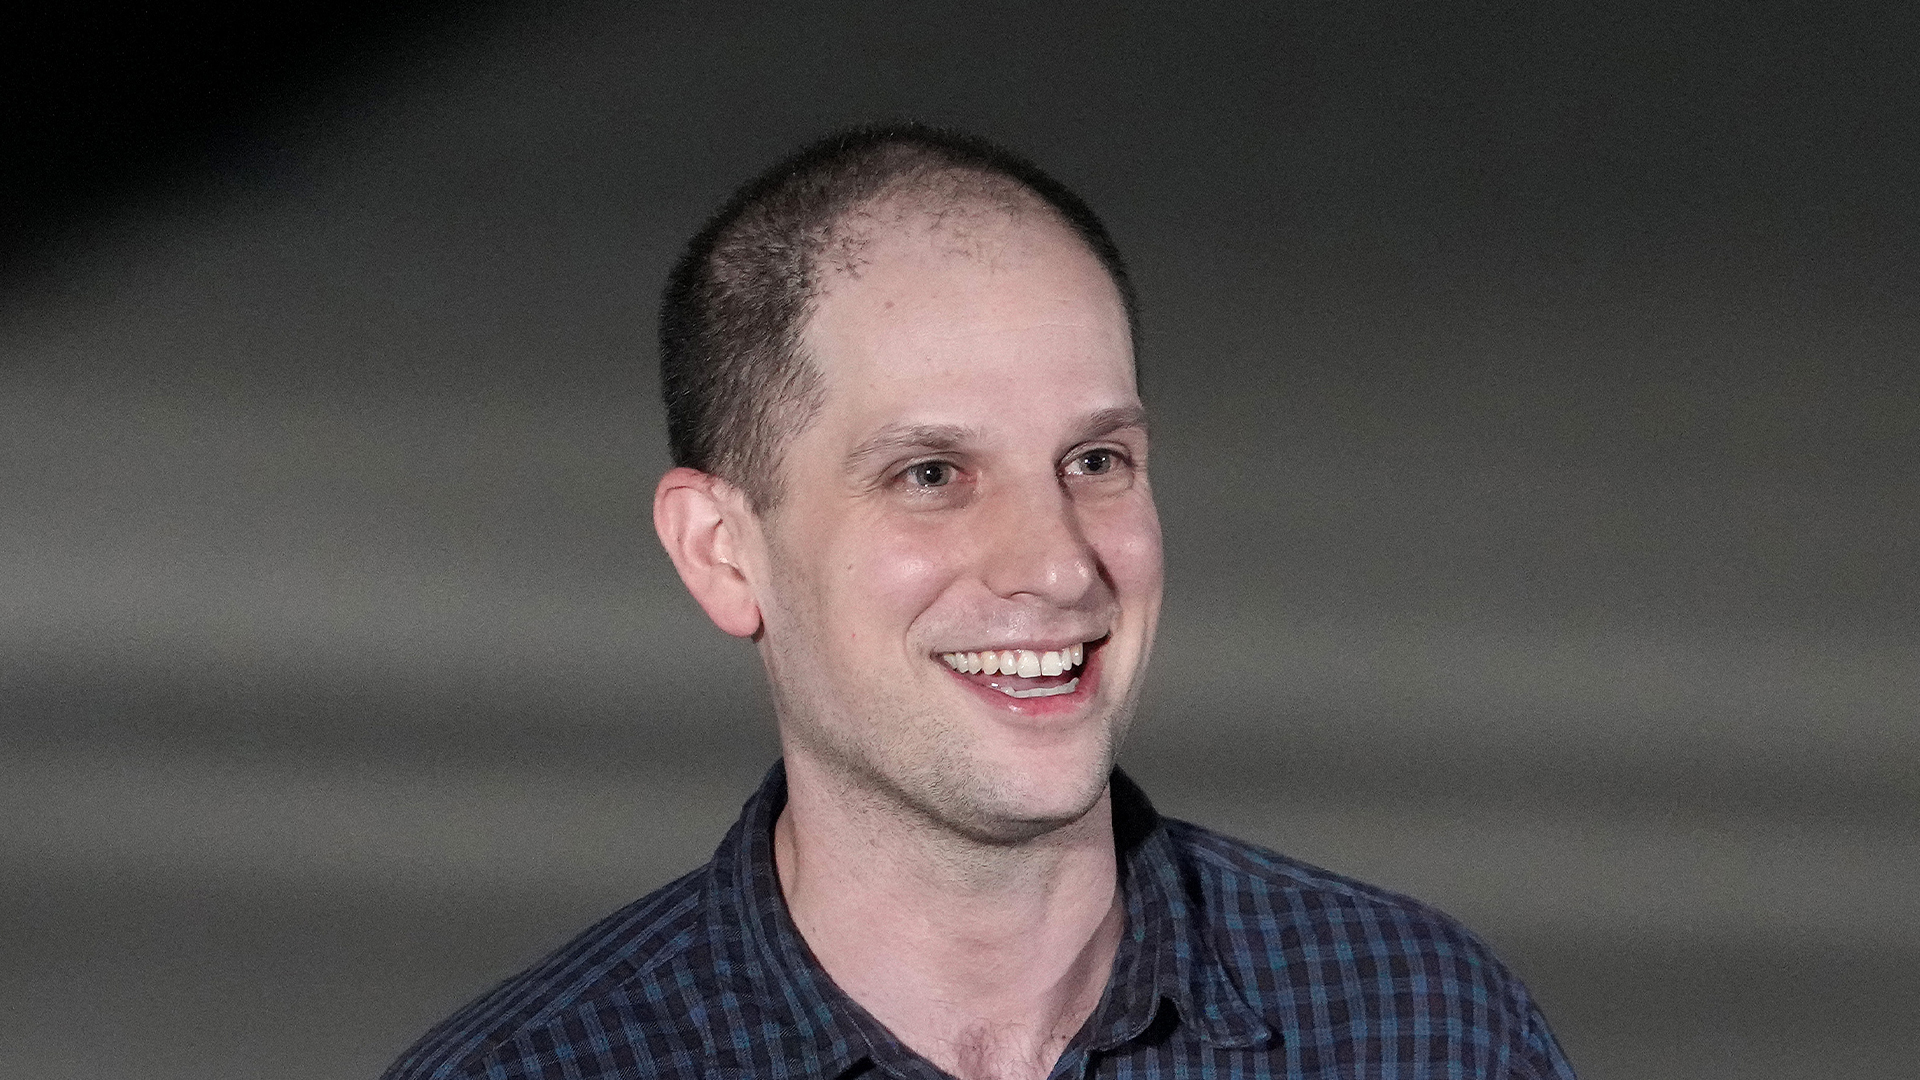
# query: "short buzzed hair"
737 388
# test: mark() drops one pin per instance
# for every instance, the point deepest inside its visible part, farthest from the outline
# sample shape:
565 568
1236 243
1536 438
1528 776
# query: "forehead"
927 308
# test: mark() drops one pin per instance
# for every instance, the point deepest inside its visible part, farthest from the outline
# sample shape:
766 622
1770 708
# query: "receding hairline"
959 201
975 226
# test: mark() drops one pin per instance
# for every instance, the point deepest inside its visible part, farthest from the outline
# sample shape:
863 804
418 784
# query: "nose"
1036 546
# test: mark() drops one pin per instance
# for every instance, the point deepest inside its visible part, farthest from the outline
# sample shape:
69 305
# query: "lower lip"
1053 705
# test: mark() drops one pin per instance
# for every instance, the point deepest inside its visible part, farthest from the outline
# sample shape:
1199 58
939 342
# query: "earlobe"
700 519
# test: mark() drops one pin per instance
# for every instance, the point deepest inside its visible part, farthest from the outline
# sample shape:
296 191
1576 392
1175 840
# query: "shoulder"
1329 957
621 981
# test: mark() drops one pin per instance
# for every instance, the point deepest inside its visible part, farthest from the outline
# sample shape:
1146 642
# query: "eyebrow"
1108 421
944 438
902 438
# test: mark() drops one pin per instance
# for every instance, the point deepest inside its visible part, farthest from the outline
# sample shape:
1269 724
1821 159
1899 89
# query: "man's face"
973 486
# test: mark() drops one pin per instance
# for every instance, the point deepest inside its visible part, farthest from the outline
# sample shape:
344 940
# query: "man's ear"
701 520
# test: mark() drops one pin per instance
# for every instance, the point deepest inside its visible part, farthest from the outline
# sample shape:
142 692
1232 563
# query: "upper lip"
1050 645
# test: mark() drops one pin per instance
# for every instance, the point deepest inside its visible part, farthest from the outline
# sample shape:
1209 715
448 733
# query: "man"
912 468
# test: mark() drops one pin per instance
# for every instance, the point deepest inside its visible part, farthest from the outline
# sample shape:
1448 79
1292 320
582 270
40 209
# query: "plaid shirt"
1235 962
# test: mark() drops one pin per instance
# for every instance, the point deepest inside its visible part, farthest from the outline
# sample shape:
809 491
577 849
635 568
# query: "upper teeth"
1025 663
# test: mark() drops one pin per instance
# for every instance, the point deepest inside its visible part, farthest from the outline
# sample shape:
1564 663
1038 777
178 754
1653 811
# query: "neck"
984 958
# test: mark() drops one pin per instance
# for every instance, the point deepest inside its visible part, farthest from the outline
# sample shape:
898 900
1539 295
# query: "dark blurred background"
1537 427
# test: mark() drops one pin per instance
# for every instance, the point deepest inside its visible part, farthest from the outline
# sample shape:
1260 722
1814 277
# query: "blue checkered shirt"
1236 962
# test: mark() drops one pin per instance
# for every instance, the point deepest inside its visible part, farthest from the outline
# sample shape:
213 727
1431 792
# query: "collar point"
1235 1032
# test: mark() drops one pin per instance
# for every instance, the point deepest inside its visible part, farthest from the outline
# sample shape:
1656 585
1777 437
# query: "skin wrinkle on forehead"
1037 324
1004 232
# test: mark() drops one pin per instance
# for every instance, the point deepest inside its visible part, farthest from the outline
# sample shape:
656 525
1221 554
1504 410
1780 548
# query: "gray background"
1536 437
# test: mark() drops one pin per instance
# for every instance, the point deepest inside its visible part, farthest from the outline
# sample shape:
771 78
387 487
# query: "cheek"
1129 547
890 576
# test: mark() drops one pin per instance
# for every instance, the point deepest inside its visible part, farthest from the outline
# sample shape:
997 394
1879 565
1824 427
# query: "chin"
1025 807
1036 786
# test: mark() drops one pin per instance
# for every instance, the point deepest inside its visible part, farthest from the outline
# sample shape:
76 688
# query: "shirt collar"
1163 958
760 955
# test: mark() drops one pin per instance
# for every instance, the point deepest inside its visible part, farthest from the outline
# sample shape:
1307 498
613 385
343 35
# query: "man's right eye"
930 474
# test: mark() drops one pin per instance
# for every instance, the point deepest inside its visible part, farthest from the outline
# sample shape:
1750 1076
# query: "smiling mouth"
1022 673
